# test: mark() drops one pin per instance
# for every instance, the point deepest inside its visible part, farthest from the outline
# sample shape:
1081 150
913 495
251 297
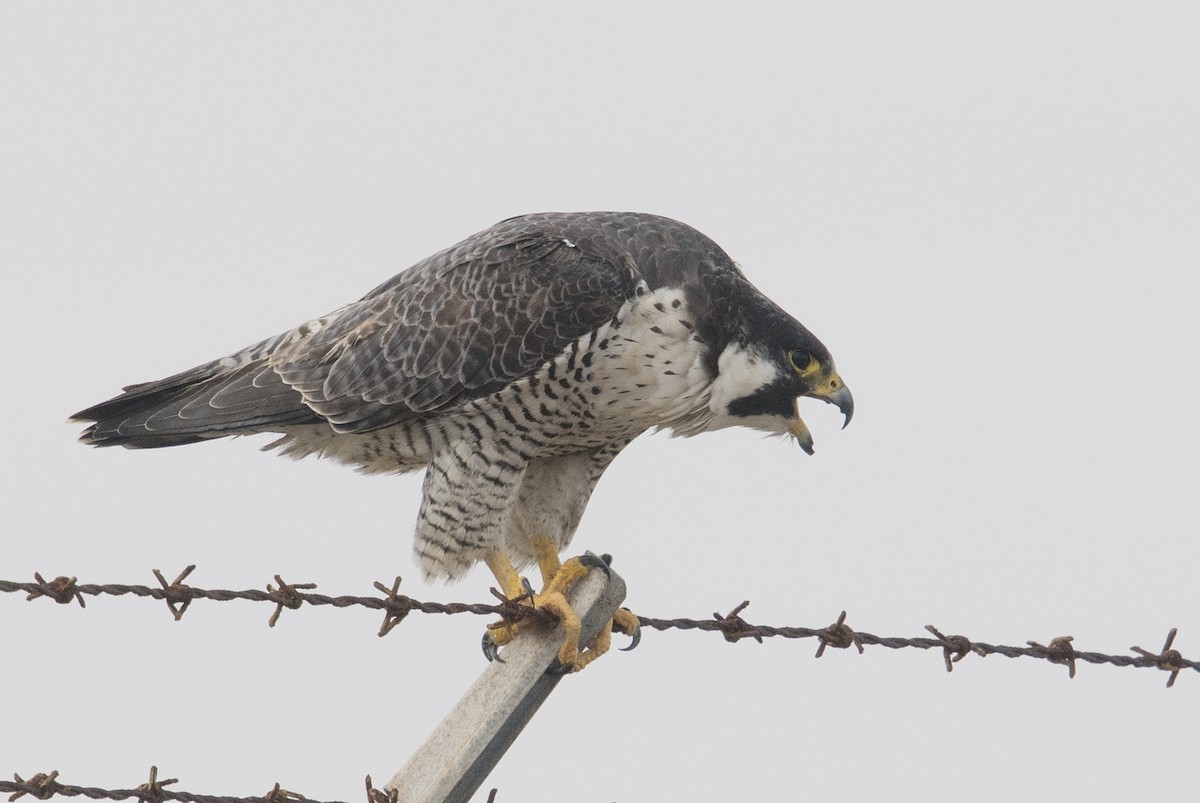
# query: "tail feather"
209 401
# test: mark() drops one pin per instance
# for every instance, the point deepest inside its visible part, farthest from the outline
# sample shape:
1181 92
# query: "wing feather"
457 326
460 325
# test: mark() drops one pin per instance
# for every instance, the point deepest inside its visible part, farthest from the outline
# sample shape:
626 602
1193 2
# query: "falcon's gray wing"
457 326
460 325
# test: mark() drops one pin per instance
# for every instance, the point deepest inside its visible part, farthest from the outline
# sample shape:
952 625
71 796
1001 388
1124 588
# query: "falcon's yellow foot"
623 621
558 580
546 552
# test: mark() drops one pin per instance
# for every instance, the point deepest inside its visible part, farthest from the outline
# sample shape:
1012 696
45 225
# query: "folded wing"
457 326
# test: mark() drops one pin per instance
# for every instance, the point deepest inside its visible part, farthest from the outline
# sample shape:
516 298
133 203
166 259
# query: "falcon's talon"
588 559
626 621
532 597
635 639
558 668
491 650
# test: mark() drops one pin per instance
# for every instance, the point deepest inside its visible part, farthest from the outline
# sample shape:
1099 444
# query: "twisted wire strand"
732 626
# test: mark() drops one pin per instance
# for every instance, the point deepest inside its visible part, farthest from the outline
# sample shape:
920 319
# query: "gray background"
988 214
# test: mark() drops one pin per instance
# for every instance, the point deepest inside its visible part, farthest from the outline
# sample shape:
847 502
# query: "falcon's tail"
210 401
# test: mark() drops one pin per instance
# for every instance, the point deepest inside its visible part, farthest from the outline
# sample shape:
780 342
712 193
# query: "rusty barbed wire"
179 596
732 626
44 786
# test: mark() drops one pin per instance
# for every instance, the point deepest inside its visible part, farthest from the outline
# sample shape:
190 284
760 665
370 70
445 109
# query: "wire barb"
513 611
840 636
177 596
1169 660
1060 651
735 628
286 597
378 795
278 794
955 648
152 790
61 589
397 608
41 785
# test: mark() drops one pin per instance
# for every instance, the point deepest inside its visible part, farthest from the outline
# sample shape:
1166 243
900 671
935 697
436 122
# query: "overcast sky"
988 216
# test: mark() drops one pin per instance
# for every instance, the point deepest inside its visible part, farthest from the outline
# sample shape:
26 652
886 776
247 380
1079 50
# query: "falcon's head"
767 364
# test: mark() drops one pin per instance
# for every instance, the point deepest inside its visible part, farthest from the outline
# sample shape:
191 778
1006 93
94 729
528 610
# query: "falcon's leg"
511 584
554 492
546 551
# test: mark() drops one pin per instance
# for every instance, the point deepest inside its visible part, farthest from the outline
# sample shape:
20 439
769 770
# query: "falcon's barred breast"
513 366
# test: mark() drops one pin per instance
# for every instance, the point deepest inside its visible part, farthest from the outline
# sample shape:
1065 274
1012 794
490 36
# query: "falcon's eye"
804 363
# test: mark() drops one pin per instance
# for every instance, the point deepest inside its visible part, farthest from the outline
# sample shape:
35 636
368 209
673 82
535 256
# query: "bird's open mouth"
839 396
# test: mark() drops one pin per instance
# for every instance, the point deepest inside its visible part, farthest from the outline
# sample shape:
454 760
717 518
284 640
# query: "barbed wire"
44 786
178 596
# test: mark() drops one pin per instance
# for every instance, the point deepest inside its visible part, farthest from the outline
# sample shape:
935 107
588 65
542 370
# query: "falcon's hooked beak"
834 391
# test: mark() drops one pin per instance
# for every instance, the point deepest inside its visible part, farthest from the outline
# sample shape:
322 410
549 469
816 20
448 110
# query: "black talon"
558 669
529 592
490 650
634 640
598 562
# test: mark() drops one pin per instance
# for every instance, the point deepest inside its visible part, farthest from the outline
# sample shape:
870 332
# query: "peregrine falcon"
513 367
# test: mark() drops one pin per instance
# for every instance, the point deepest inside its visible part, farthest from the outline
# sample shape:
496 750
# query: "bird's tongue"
800 431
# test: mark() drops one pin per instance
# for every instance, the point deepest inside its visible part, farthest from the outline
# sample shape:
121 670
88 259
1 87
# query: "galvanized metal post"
458 756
